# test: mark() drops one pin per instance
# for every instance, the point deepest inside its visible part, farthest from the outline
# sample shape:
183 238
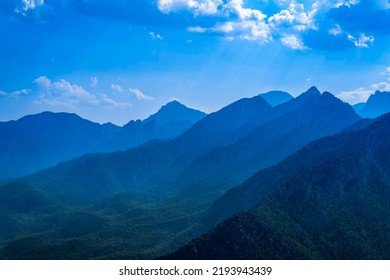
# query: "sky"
117 60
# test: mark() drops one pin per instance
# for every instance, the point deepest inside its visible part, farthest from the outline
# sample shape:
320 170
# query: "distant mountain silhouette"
127 192
376 105
327 201
276 97
39 141
293 125
42 140
170 121
147 201
359 106
143 168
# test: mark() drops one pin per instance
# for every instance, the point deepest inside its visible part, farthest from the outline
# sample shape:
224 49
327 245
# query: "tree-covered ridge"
327 201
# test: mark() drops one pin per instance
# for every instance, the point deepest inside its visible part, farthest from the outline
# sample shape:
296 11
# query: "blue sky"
120 60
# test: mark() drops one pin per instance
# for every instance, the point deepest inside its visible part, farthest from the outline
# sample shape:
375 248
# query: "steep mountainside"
170 121
327 201
276 97
137 203
376 105
39 141
150 166
313 116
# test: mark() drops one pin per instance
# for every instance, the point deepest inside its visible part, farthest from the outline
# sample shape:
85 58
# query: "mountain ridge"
38 141
326 201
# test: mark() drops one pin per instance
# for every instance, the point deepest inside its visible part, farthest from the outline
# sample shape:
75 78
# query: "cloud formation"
156 36
363 93
94 82
116 88
64 92
15 93
26 5
132 92
289 22
139 94
293 42
117 104
199 7
362 41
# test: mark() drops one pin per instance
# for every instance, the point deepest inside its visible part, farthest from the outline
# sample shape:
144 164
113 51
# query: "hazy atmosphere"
113 61
195 130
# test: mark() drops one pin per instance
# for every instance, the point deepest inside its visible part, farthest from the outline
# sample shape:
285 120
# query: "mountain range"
42 140
376 105
275 97
150 197
329 200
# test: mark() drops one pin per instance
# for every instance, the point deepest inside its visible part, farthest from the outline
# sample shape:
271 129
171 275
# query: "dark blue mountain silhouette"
376 105
327 201
145 167
148 200
276 97
293 125
39 141
170 121
42 140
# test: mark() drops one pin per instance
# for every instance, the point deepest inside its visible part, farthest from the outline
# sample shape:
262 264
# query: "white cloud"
72 90
388 71
139 94
15 93
235 21
250 30
28 5
117 87
131 91
196 29
249 24
156 36
355 96
362 41
236 7
225 27
336 30
205 7
94 82
116 104
362 94
20 92
382 86
56 103
43 82
174 98
293 42
295 17
62 91
347 3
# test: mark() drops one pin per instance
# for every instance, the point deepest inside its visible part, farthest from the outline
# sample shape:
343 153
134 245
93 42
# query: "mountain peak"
377 104
379 94
275 97
175 111
312 91
174 103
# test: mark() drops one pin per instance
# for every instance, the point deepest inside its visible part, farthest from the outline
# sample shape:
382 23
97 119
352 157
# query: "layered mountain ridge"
42 140
327 201
149 200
